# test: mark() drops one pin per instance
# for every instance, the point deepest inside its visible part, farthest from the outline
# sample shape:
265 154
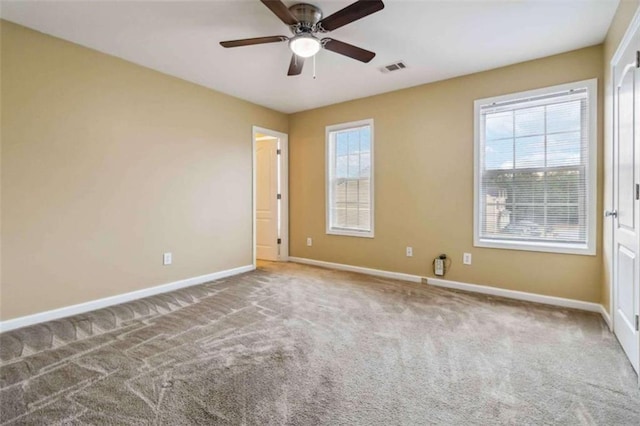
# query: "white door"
626 199
267 199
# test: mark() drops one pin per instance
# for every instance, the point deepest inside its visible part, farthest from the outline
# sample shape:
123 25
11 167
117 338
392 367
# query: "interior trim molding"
626 38
283 251
369 271
606 317
81 308
518 295
473 288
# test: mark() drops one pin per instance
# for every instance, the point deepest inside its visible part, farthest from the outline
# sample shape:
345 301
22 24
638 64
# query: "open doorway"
270 195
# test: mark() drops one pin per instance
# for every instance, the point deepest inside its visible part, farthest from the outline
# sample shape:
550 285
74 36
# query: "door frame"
283 256
634 26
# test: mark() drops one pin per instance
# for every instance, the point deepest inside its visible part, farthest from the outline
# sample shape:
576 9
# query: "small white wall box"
439 267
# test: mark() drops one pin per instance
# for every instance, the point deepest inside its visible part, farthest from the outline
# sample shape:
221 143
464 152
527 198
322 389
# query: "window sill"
350 233
580 249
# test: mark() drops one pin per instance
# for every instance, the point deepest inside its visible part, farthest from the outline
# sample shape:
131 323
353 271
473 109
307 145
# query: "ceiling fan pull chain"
314 67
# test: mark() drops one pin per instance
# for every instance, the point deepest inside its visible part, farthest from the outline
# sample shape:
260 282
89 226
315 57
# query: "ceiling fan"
305 21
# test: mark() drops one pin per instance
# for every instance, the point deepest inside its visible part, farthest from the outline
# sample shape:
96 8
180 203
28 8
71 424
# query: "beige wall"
424 182
105 166
621 20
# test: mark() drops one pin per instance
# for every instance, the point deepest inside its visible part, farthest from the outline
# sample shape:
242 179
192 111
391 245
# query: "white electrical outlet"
309 241
439 267
167 258
466 258
409 251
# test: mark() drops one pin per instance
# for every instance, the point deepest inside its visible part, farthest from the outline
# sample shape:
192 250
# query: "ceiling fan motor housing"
308 15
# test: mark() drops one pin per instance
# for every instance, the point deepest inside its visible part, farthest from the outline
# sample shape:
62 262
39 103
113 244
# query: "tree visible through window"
350 183
535 186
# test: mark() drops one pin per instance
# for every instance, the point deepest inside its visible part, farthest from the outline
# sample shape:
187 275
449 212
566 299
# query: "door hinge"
637 322
637 58
279 241
637 191
278 151
279 196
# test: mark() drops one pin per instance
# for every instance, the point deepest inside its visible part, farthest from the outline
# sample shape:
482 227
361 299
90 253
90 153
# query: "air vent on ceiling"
396 66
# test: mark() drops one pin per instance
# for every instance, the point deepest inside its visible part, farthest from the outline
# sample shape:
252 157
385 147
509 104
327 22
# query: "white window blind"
535 170
350 179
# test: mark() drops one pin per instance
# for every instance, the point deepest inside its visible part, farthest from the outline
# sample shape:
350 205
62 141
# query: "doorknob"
613 213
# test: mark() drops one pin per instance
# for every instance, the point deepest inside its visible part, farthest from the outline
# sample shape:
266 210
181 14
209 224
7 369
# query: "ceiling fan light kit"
305 21
304 45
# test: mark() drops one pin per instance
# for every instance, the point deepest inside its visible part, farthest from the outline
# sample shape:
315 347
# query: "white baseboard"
81 308
360 269
474 288
606 317
54 314
518 295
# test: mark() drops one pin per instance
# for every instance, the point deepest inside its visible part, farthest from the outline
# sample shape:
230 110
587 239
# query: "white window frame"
329 149
589 248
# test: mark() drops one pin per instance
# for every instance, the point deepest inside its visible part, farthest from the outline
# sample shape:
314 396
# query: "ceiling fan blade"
351 13
347 49
295 67
281 11
252 41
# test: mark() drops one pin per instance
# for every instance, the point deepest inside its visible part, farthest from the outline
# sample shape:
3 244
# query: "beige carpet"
291 344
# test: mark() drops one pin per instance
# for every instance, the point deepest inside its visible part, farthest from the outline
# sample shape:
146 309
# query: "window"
535 170
350 179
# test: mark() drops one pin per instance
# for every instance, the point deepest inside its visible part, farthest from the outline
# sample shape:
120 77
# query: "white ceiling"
436 39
